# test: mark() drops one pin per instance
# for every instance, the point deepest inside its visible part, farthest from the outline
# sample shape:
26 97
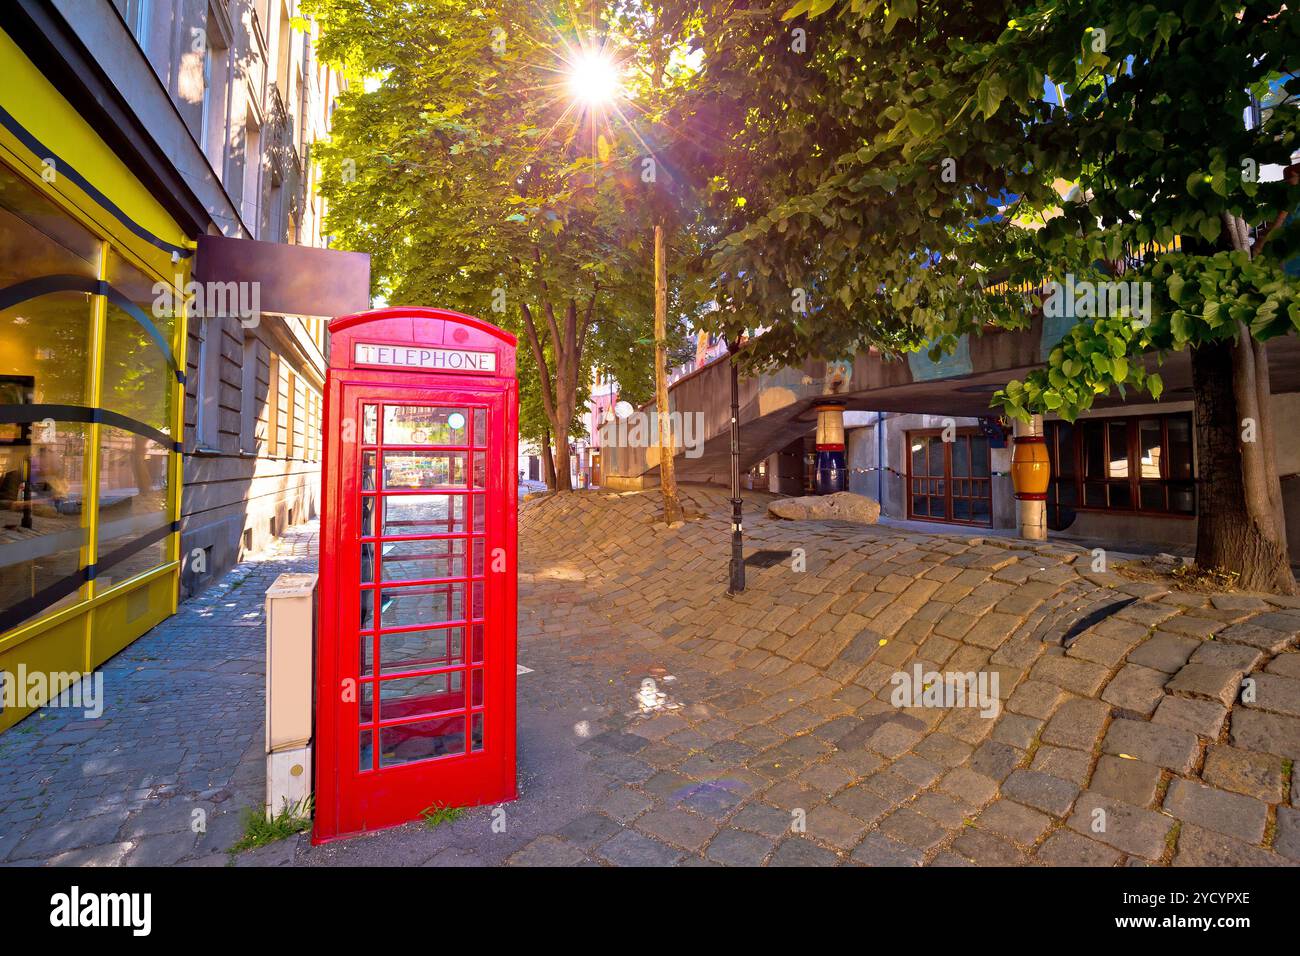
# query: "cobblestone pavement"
181 732
663 722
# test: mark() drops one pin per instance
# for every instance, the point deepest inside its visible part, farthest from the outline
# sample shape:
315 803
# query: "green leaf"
919 122
1210 228
1155 385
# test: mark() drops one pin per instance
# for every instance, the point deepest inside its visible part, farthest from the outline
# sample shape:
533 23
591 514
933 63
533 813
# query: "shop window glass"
138 377
133 483
44 360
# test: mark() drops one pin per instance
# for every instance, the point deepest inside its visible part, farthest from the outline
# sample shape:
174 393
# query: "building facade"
149 436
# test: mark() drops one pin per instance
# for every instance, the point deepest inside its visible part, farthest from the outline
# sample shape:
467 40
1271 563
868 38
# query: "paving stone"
1014 821
1270 733
907 826
987 849
1202 717
940 808
1248 772
1125 827
890 786
109 854
1157 744
1017 730
738 848
1078 724
944 749
1041 791
767 820
547 851
917 770
1067 848
893 740
862 803
1254 635
996 760
1100 649
1287 839
625 805
1191 625
678 827
797 851
1280 695
1164 652
630 848
1200 847
1036 698
1072 765
879 850
839 829
1078 677
589 829
968 787
1286 665
1207 681
1237 657
1136 689
1229 813
1130 781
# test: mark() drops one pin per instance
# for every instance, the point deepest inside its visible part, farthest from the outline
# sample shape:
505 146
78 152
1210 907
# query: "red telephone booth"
415 690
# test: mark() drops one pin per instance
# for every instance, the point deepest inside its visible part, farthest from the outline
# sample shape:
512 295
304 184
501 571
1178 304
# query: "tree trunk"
548 462
667 467
563 480
1240 529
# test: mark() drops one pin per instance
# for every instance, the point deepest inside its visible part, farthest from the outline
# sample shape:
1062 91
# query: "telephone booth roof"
415 326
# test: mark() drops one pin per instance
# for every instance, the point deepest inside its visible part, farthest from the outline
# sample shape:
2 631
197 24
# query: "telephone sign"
415 689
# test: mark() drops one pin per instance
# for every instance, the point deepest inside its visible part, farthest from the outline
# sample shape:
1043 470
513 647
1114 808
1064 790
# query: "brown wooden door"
949 481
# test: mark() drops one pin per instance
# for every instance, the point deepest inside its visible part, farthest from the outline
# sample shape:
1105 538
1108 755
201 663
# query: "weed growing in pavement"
436 815
259 831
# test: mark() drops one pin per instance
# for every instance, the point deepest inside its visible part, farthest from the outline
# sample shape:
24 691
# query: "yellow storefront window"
45 367
88 387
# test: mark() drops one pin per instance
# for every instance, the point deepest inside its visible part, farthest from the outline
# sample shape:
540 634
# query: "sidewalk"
163 775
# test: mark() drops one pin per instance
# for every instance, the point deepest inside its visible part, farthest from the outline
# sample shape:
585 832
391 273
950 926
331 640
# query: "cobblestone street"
662 722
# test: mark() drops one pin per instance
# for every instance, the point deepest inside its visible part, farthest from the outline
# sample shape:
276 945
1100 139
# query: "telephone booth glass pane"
424 425
423 740
425 514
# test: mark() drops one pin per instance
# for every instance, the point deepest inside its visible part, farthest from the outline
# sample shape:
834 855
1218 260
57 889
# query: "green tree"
462 164
876 170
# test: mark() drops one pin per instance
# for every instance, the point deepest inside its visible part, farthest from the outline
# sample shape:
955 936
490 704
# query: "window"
1142 464
252 174
61 474
248 395
207 400
45 351
273 442
213 125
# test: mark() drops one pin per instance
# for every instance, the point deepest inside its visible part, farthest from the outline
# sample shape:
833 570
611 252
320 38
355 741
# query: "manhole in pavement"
768 558
1095 615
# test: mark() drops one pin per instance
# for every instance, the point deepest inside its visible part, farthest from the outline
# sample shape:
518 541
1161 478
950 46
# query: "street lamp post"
737 577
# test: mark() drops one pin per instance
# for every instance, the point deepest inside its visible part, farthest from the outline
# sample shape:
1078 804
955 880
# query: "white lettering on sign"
415 356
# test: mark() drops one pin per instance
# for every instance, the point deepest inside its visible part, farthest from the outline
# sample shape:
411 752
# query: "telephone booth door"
419 654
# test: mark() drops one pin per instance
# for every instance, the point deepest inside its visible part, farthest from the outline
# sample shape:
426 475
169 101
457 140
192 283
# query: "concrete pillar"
1031 513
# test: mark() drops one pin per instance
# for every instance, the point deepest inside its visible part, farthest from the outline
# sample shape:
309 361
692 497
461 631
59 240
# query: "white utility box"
288 780
290 639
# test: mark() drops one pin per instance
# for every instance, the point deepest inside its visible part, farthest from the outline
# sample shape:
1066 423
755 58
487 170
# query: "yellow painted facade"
134 243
